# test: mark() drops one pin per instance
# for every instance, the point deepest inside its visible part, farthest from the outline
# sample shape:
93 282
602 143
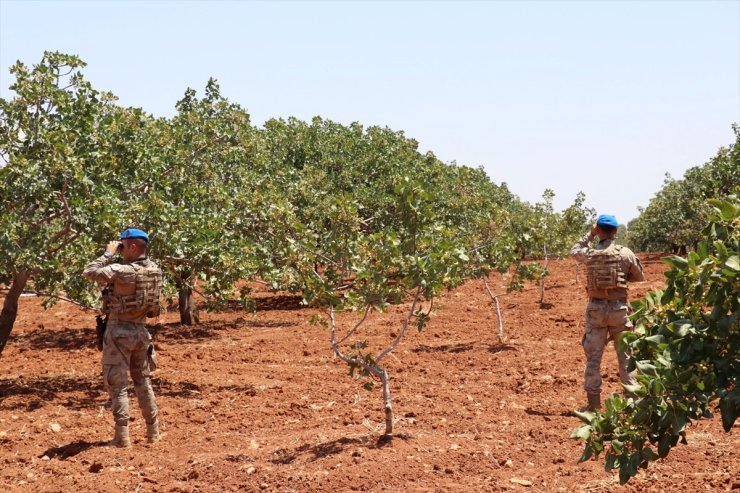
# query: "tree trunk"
542 278
186 303
494 297
387 400
10 306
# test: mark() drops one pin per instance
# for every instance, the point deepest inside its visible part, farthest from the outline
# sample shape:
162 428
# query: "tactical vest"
604 270
145 297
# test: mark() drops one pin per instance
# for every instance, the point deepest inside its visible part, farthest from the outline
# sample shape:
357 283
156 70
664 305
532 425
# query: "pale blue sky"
603 97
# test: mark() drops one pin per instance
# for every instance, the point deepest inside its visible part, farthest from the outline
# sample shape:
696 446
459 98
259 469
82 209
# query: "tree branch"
66 242
45 219
352 331
56 297
178 260
431 305
373 369
319 255
403 328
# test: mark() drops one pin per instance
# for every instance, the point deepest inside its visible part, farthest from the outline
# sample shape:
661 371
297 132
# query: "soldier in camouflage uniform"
609 268
131 295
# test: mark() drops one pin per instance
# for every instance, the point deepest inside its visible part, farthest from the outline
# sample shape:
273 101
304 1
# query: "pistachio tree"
674 218
417 260
485 218
190 197
50 182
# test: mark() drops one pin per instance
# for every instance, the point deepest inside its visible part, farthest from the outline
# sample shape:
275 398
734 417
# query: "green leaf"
641 417
585 416
656 387
728 211
635 389
587 453
625 339
582 432
721 249
624 474
656 339
702 249
675 261
646 368
649 455
617 447
634 463
678 423
733 262
611 462
683 330
664 445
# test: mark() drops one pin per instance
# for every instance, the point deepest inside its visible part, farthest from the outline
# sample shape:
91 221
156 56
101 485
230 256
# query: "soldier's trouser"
125 349
604 320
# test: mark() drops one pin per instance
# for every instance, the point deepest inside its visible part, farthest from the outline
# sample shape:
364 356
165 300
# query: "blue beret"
133 233
607 220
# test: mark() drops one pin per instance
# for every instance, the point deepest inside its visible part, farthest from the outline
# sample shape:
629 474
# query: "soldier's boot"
122 438
594 403
152 432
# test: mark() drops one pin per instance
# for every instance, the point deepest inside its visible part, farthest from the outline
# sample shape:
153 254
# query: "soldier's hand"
112 247
594 230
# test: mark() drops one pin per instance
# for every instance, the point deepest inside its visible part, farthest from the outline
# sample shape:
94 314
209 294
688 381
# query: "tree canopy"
674 218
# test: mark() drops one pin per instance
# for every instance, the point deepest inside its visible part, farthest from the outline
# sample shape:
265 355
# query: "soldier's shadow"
68 339
71 449
72 392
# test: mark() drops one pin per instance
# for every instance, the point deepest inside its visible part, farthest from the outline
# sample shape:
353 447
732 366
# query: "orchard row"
352 218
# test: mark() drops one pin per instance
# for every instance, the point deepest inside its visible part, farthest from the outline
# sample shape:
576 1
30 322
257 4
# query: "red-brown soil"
258 403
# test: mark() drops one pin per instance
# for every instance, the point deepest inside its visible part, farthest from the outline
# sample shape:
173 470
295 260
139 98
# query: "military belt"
603 300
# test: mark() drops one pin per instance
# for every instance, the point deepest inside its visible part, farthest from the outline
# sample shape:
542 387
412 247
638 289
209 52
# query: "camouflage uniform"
607 309
126 341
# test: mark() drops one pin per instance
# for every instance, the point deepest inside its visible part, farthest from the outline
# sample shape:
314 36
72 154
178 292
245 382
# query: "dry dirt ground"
258 403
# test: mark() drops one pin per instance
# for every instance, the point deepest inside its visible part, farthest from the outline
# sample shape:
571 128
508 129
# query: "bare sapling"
365 363
495 297
543 275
